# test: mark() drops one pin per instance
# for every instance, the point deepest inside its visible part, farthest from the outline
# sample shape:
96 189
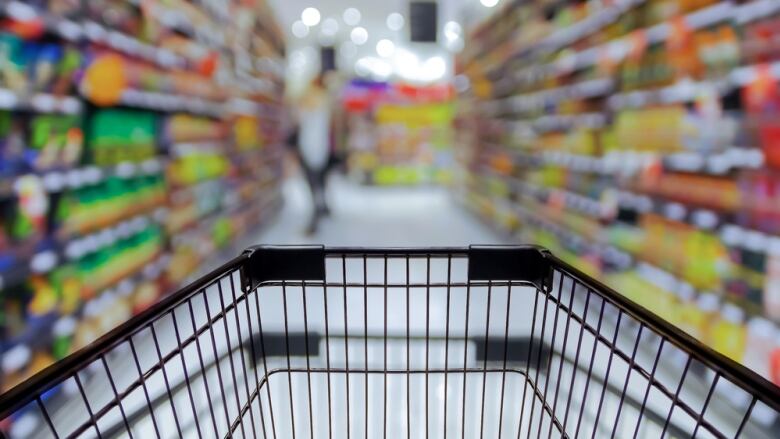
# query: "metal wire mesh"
392 345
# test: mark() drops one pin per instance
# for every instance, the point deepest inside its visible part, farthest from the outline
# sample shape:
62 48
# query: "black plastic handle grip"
485 263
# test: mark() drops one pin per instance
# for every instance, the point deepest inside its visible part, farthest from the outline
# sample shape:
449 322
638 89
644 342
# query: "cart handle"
522 263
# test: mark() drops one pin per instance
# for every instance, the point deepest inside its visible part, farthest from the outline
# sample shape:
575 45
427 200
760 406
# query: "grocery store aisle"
377 216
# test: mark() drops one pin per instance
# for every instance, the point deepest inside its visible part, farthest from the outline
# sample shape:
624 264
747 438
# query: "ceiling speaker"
422 22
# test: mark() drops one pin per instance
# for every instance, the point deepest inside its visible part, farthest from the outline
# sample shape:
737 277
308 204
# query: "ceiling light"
382 70
359 35
434 68
297 59
406 63
299 29
488 3
452 31
310 17
378 68
361 69
395 21
351 16
385 48
455 45
330 26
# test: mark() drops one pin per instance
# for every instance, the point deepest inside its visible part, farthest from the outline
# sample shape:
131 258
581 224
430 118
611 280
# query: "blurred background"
144 142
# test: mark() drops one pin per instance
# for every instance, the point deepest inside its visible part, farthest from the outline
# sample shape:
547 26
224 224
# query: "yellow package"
728 334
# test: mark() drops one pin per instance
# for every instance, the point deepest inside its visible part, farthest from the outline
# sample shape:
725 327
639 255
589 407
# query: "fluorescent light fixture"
330 26
359 35
351 16
299 29
395 21
310 17
452 31
385 48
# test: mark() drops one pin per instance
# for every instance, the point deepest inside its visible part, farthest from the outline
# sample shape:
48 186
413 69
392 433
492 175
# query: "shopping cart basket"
286 342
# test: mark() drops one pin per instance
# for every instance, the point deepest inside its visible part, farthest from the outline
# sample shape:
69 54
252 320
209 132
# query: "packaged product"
728 334
771 298
761 341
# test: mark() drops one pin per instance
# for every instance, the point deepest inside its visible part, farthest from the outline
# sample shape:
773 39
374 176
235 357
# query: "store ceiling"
303 51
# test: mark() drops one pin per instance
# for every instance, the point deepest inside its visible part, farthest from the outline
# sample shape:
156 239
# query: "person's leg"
315 188
322 200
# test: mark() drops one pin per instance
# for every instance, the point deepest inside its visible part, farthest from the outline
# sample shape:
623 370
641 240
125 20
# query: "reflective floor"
377 216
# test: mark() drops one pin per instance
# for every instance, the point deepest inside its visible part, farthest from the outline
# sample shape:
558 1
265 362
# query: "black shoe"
311 229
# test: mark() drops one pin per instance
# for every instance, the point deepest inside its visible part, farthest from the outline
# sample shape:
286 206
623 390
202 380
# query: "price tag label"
679 34
637 45
760 92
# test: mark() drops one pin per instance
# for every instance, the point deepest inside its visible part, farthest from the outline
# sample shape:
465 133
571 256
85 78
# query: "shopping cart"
286 342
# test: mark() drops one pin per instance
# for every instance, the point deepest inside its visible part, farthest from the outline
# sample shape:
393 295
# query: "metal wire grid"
625 379
394 346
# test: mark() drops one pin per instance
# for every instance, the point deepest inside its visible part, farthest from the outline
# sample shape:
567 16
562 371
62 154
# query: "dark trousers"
316 179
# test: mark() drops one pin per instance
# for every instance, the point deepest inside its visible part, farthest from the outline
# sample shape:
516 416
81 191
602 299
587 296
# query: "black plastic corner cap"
283 263
511 263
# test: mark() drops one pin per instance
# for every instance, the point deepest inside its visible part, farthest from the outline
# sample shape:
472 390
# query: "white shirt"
314 135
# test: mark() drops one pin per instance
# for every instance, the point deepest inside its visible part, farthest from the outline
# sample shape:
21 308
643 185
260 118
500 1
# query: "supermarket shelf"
244 107
587 26
73 30
627 163
538 100
704 219
624 260
617 260
171 102
148 271
99 34
683 91
39 102
68 29
202 224
708 16
574 32
611 254
55 181
176 20
54 253
238 245
183 194
701 218
630 163
267 111
555 122
92 242
619 48
576 203
470 54
19 270
530 217
744 75
226 205
182 149
756 10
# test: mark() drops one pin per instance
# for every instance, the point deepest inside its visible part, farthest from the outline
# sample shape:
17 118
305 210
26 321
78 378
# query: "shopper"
314 139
